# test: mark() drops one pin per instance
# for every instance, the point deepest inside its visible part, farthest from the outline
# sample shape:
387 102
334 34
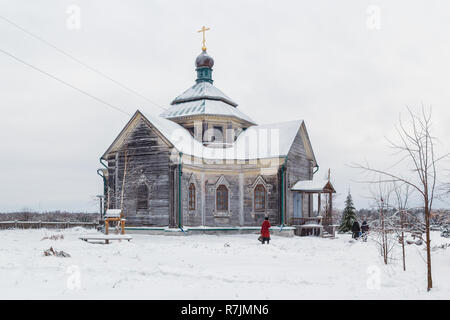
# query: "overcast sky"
338 65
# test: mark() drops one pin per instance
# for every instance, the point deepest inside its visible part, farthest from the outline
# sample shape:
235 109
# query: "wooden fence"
45 224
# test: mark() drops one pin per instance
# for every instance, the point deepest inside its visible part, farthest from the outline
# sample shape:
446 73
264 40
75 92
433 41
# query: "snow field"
213 267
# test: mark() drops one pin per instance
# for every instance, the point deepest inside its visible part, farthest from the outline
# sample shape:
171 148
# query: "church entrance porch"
310 222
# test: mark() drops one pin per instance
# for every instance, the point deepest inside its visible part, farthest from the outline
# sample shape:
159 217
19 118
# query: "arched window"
222 198
260 198
142 197
192 196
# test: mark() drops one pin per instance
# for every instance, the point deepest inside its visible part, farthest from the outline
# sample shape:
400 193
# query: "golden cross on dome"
204 29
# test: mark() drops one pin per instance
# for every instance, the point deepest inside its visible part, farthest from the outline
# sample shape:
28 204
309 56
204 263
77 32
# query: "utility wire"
81 62
64 82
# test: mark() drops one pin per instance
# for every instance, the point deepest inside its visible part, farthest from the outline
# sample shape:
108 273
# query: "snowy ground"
212 267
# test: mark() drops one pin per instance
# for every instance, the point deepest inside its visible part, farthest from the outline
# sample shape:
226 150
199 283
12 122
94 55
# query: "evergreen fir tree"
348 216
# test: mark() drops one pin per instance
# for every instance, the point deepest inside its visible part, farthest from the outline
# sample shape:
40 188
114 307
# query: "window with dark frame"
260 198
191 196
142 197
191 131
217 134
222 198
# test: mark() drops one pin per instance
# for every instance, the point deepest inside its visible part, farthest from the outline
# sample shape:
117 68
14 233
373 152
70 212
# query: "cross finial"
203 29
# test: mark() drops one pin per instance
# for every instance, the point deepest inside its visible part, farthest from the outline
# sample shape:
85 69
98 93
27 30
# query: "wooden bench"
106 238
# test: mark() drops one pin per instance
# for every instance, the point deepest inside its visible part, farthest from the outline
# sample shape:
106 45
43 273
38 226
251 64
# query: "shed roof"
313 186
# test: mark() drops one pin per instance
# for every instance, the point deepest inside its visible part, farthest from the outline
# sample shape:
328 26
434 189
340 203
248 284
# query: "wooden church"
203 163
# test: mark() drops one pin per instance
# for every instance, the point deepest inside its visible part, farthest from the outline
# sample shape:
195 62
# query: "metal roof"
203 90
257 142
272 140
204 107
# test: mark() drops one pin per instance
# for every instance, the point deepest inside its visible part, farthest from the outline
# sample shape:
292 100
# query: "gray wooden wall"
299 167
240 211
149 163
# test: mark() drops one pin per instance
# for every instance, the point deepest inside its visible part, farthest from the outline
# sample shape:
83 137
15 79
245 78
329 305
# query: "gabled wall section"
300 166
148 162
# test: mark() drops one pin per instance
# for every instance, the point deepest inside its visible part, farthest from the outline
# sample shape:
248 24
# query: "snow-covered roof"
312 186
113 213
256 142
203 90
204 107
264 141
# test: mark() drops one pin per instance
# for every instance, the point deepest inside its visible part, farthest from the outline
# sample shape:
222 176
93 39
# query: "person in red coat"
265 233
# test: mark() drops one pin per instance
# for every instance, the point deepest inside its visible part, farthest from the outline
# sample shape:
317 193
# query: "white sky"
280 60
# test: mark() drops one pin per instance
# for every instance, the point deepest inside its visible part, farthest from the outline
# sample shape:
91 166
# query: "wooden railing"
306 220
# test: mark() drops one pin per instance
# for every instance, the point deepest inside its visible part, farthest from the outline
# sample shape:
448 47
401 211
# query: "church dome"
204 60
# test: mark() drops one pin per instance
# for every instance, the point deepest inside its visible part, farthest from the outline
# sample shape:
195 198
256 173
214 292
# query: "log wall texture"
149 163
299 167
148 159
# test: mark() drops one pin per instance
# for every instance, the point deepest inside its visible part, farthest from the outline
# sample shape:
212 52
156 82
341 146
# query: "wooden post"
302 202
122 222
310 204
330 211
106 229
318 203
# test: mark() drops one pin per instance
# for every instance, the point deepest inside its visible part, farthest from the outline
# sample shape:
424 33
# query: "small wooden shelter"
312 222
114 215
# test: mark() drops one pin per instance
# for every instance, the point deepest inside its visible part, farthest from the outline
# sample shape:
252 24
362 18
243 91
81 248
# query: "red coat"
265 229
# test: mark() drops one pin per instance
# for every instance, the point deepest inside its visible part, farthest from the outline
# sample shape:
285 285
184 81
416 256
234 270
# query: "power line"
64 82
81 62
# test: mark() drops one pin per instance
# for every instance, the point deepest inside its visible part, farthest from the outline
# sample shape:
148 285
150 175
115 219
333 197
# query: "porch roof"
313 186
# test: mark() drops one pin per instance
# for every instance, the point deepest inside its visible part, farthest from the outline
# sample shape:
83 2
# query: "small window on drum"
191 130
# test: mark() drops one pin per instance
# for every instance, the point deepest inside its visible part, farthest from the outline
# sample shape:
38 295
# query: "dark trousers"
264 239
364 236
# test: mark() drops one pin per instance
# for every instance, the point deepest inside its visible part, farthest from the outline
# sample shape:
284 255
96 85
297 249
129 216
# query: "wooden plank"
107 237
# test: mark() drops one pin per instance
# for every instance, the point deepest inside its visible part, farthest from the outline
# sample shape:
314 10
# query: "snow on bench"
113 213
311 225
106 237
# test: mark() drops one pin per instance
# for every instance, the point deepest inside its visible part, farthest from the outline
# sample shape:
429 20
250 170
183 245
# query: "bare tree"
417 154
402 193
381 231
